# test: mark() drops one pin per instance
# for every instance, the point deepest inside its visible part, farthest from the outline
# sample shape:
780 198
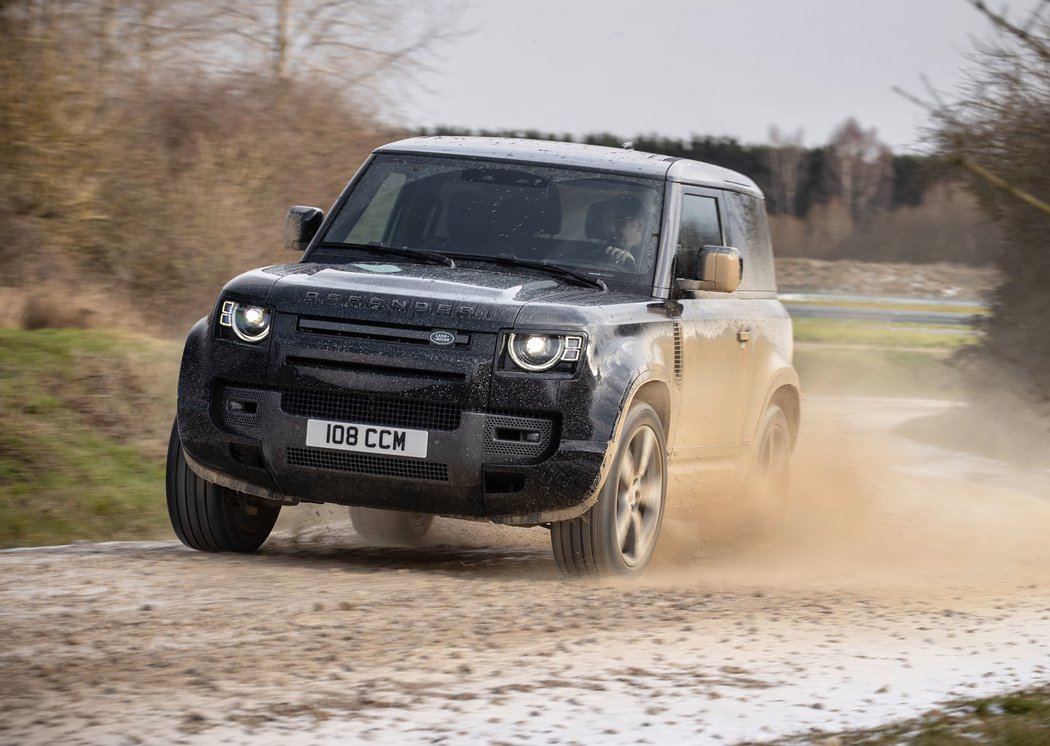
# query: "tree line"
854 165
852 197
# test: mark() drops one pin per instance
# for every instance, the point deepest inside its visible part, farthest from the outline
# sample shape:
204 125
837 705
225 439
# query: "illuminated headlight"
250 323
540 352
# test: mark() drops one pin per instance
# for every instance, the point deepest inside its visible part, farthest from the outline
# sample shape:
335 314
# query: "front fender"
619 362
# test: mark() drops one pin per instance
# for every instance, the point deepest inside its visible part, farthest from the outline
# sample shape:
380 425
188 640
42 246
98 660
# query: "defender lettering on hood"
379 303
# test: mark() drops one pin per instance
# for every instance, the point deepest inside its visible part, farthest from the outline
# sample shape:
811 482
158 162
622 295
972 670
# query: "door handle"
744 335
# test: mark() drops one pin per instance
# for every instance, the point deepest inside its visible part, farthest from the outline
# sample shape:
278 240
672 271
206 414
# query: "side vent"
677 350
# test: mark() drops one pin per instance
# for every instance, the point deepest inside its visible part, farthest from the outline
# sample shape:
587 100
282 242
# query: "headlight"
540 352
250 323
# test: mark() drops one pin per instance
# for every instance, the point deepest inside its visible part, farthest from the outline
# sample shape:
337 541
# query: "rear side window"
748 230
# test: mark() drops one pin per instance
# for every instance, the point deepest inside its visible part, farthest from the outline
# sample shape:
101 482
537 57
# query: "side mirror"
300 226
718 269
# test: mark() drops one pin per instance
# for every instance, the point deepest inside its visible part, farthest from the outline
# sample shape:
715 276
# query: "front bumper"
562 487
485 459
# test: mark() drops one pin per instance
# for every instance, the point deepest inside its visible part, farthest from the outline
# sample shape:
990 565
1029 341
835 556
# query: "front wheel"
618 534
390 527
211 518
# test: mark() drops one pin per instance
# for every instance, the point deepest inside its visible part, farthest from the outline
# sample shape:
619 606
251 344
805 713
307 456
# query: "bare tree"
345 42
858 169
348 42
786 159
128 126
996 130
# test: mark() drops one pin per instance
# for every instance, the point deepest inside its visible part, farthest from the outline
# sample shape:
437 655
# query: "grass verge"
85 415
968 309
877 371
1016 719
866 333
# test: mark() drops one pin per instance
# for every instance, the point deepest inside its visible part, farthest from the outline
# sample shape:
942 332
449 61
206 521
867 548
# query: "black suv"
524 332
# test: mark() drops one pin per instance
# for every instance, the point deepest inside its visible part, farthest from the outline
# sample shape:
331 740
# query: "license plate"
386 441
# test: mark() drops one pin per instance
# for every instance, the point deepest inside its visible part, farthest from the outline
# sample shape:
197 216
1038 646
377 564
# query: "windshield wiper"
377 248
580 278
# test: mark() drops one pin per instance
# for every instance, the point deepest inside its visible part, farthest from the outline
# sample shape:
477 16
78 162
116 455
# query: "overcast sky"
707 67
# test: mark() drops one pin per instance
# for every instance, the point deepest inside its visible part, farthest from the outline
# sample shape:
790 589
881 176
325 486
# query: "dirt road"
905 576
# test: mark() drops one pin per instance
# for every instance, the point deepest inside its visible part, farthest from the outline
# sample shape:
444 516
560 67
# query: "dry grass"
52 306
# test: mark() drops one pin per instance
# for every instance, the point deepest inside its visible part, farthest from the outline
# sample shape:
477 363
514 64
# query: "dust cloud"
871 510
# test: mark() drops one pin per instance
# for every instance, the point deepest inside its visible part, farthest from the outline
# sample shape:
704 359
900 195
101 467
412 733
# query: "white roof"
577 155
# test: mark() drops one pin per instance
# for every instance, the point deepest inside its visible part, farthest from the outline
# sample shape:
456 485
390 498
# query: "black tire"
211 518
390 527
770 477
618 534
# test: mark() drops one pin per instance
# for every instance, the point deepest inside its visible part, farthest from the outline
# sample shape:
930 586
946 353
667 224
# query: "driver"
625 231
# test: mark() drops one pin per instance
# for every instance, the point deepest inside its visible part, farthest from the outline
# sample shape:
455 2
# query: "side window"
700 227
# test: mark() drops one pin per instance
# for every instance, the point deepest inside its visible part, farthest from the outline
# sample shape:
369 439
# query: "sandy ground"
902 577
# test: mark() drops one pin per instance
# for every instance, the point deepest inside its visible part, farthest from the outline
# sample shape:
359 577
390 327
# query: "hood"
416 294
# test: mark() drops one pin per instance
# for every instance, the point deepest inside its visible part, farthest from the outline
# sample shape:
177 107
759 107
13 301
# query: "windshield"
606 225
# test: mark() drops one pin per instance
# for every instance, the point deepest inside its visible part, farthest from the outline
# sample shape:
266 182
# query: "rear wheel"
211 518
771 470
390 527
618 534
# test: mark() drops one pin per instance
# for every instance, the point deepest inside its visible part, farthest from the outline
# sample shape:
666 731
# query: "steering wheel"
622 258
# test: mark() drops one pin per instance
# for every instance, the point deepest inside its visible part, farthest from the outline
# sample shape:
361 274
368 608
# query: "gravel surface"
902 577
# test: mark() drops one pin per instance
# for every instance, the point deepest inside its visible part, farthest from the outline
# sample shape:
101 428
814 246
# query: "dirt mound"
909 280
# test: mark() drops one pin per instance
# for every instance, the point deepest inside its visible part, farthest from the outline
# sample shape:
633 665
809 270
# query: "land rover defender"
524 332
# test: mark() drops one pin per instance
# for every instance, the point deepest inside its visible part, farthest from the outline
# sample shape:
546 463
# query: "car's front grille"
400 371
368 409
399 333
384 466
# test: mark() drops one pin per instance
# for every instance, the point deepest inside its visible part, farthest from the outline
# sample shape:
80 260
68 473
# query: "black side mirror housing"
300 226
719 269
